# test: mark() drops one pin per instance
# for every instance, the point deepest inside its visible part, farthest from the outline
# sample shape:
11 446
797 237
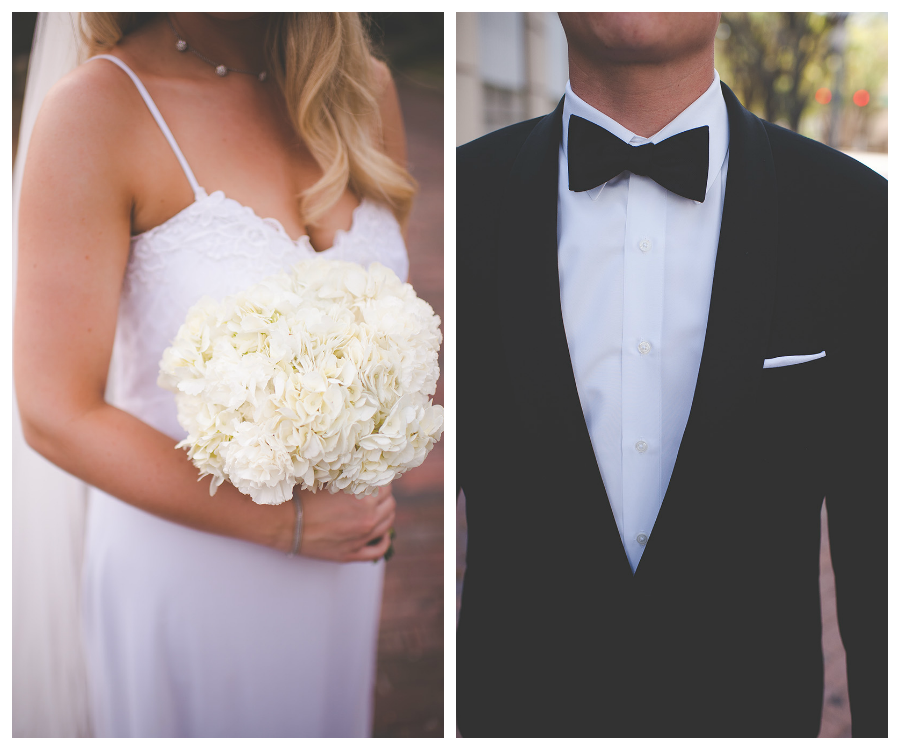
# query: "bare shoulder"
88 116
97 93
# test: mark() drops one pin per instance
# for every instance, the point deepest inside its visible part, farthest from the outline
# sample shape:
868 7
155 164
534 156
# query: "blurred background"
824 75
409 695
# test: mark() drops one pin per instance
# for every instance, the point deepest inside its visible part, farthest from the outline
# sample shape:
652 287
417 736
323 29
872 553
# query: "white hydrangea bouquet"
321 376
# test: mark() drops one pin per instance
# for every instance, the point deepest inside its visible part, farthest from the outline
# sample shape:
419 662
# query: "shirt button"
645 245
641 539
640 446
644 347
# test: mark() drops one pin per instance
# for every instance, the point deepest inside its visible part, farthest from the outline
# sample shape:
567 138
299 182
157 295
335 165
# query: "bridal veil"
49 695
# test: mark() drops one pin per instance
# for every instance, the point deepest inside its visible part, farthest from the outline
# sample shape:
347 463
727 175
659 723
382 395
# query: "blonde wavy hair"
322 63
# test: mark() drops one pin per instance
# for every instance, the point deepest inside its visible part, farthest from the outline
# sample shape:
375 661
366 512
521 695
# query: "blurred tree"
773 59
779 60
866 69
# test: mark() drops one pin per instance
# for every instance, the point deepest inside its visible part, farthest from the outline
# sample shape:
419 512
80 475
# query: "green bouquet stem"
390 551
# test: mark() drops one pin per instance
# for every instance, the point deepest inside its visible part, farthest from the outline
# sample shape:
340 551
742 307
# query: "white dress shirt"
636 269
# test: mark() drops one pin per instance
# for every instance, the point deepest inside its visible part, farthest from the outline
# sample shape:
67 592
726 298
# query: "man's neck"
643 97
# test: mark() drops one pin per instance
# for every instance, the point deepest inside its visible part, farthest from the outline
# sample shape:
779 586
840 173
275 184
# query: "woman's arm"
128 459
74 239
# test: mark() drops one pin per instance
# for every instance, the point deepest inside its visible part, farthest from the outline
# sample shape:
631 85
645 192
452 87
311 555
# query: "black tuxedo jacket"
718 633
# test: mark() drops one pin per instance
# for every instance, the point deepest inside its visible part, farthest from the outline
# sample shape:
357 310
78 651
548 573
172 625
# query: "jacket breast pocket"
794 408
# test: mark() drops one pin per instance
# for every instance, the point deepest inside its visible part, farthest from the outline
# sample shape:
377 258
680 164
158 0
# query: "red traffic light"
823 96
861 98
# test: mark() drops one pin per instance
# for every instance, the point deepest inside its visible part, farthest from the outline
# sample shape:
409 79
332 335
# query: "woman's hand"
344 528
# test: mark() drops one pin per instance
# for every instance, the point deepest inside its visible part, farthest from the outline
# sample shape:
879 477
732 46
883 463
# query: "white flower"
321 377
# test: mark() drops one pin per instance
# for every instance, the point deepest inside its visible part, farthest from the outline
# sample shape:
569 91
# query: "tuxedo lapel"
740 316
534 339
743 293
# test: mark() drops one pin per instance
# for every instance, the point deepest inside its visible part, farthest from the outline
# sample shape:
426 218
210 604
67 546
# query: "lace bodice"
214 247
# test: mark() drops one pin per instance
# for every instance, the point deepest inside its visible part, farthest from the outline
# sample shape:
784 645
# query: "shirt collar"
708 109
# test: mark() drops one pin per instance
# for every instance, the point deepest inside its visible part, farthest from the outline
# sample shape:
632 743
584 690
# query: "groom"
669 354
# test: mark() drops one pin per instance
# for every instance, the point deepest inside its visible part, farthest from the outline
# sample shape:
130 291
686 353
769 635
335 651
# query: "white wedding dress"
193 634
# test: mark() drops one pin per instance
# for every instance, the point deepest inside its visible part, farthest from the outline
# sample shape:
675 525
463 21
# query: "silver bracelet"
295 549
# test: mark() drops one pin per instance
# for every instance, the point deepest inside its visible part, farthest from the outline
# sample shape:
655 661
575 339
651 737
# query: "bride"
149 169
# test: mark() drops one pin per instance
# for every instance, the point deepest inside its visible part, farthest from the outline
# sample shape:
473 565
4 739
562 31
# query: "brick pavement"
836 706
409 693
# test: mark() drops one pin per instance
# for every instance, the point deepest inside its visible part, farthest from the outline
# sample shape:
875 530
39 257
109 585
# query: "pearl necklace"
221 70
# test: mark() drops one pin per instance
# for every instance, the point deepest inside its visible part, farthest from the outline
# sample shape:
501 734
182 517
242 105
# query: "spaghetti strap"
199 192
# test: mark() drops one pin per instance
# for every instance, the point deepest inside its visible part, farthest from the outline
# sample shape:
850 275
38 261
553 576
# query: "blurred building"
509 67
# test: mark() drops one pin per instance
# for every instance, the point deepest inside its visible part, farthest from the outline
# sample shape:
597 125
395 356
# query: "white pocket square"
793 359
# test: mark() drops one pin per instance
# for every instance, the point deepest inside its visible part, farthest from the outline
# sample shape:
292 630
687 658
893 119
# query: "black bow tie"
680 164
